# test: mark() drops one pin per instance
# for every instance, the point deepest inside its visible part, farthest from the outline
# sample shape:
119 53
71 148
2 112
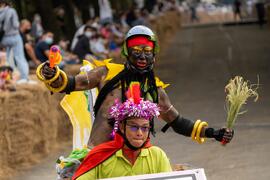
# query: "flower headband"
134 106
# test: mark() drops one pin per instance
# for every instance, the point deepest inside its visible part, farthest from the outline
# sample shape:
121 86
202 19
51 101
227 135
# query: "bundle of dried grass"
238 91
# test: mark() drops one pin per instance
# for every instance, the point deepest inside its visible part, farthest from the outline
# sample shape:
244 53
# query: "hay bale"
30 124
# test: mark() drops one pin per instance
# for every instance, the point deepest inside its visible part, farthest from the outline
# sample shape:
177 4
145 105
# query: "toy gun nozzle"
54 56
54 49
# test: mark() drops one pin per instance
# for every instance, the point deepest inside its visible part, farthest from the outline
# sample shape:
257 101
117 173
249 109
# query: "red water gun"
55 56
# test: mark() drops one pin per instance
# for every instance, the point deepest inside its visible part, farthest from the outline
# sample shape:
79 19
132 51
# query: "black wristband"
181 126
212 133
70 85
209 132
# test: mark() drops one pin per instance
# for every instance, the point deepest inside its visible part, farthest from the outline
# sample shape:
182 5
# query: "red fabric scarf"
100 153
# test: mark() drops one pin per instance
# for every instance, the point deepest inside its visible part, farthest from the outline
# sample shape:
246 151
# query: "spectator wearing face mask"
82 48
79 32
25 29
42 48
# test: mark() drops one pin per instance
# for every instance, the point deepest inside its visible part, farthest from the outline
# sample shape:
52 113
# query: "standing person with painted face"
140 49
12 40
131 122
42 48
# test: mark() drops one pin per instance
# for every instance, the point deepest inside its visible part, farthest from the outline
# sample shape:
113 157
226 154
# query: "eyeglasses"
135 128
139 50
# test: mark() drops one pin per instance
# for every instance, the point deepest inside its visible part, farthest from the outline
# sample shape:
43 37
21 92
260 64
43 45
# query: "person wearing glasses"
130 152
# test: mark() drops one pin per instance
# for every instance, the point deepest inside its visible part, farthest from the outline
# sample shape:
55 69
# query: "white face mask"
88 34
49 40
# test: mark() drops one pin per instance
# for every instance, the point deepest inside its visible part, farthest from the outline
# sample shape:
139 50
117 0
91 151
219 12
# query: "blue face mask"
48 40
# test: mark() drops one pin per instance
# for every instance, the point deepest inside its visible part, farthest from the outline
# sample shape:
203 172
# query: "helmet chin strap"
134 69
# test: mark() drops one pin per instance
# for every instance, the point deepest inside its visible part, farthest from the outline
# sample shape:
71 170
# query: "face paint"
141 57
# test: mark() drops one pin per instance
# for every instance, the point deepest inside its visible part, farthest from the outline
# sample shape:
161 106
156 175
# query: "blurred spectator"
67 57
237 10
139 3
105 11
139 18
114 46
3 55
250 5
112 38
98 48
150 4
42 48
193 12
12 40
95 23
78 33
117 30
25 29
123 21
170 5
131 17
37 29
6 82
82 47
260 12
160 6
105 30
60 16
77 17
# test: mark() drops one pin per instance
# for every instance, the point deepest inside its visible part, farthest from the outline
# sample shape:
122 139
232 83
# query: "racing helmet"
137 31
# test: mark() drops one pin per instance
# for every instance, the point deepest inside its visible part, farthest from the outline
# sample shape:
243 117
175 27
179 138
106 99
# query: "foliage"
238 91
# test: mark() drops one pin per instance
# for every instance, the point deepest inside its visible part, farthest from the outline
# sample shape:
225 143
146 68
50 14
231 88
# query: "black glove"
48 72
223 135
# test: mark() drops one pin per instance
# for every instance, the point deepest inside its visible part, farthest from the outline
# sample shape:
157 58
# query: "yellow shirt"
150 160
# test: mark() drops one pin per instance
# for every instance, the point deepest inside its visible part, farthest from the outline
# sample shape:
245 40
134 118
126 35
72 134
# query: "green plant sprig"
238 91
